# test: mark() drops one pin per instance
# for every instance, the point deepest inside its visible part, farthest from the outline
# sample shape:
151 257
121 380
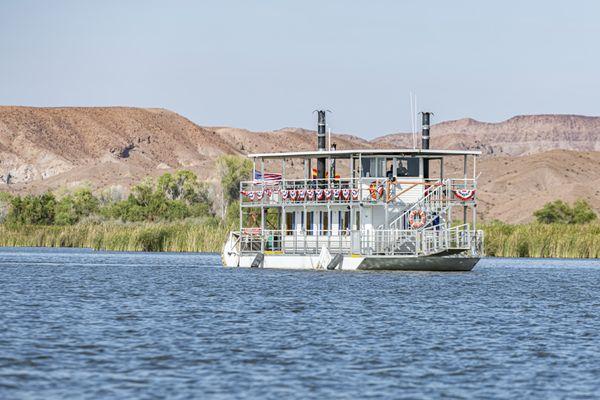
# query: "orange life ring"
415 222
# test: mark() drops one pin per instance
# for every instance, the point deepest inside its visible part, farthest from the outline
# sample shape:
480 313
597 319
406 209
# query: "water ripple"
84 324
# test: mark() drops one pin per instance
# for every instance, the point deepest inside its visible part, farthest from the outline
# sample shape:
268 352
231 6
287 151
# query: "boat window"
345 224
309 222
408 166
367 167
324 222
290 222
374 167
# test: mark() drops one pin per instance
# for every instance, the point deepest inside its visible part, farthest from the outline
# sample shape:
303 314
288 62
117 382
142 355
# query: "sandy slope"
50 148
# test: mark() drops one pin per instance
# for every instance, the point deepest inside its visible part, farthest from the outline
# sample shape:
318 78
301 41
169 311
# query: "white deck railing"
367 242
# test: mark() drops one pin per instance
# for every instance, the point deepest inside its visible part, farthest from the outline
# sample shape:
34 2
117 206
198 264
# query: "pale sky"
265 65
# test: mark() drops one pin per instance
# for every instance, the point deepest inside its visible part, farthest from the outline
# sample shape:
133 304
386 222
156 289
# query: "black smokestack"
425 141
425 127
321 143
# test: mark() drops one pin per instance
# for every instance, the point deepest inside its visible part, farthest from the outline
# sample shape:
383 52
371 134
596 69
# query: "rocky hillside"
51 148
521 135
512 188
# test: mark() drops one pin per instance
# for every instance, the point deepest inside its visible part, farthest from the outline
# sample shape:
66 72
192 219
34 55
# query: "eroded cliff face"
521 135
50 148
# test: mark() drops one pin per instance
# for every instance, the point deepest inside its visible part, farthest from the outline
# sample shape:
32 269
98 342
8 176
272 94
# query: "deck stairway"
435 237
434 203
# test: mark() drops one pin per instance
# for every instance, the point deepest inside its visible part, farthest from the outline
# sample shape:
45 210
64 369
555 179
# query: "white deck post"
465 186
329 225
262 228
283 227
474 187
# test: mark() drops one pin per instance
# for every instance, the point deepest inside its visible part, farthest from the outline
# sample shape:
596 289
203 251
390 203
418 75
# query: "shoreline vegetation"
178 213
179 236
537 240
501 240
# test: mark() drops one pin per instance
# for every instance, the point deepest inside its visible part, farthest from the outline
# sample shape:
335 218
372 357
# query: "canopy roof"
366 152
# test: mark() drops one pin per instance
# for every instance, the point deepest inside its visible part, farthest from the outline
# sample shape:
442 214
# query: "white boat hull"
278 260
298 262
381 263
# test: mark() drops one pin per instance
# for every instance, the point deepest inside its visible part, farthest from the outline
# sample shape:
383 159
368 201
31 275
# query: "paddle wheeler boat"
368 209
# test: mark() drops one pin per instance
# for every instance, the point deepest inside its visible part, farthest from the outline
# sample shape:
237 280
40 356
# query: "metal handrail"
365 242
432 193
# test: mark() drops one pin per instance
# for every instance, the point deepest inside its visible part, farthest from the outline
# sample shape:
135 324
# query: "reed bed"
542 240
185 236
501 240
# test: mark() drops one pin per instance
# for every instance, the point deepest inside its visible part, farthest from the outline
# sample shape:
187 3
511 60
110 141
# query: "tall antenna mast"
412 119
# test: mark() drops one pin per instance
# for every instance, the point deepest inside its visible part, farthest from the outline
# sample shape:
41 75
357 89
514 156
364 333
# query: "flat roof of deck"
363 152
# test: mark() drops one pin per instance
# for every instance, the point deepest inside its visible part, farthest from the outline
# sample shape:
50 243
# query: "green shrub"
71 208
232 171
561 213
583 213
172 197
32 210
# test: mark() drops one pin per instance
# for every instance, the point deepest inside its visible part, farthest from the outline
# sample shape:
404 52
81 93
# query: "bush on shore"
559 212
172 197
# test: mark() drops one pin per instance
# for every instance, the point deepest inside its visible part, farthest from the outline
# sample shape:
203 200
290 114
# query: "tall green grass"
542 240
501 240
188 236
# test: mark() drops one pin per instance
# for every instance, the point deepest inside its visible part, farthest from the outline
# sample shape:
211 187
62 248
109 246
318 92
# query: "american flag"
268 176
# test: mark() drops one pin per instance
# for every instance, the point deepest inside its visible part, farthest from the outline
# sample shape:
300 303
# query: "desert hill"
51 148
511 188
48 147
520 135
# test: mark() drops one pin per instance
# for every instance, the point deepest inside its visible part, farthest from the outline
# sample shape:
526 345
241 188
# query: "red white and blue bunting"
305 194
464 194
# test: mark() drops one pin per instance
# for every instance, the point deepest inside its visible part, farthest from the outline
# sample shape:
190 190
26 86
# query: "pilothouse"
377 209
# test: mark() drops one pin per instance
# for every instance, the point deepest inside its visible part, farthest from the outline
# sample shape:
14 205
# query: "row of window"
382 167
318 222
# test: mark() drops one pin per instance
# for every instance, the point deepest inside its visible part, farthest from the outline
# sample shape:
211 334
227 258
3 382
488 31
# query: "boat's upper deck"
336 154
354 175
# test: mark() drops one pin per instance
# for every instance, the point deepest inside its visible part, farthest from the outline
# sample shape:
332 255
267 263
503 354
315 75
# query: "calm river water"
84 324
